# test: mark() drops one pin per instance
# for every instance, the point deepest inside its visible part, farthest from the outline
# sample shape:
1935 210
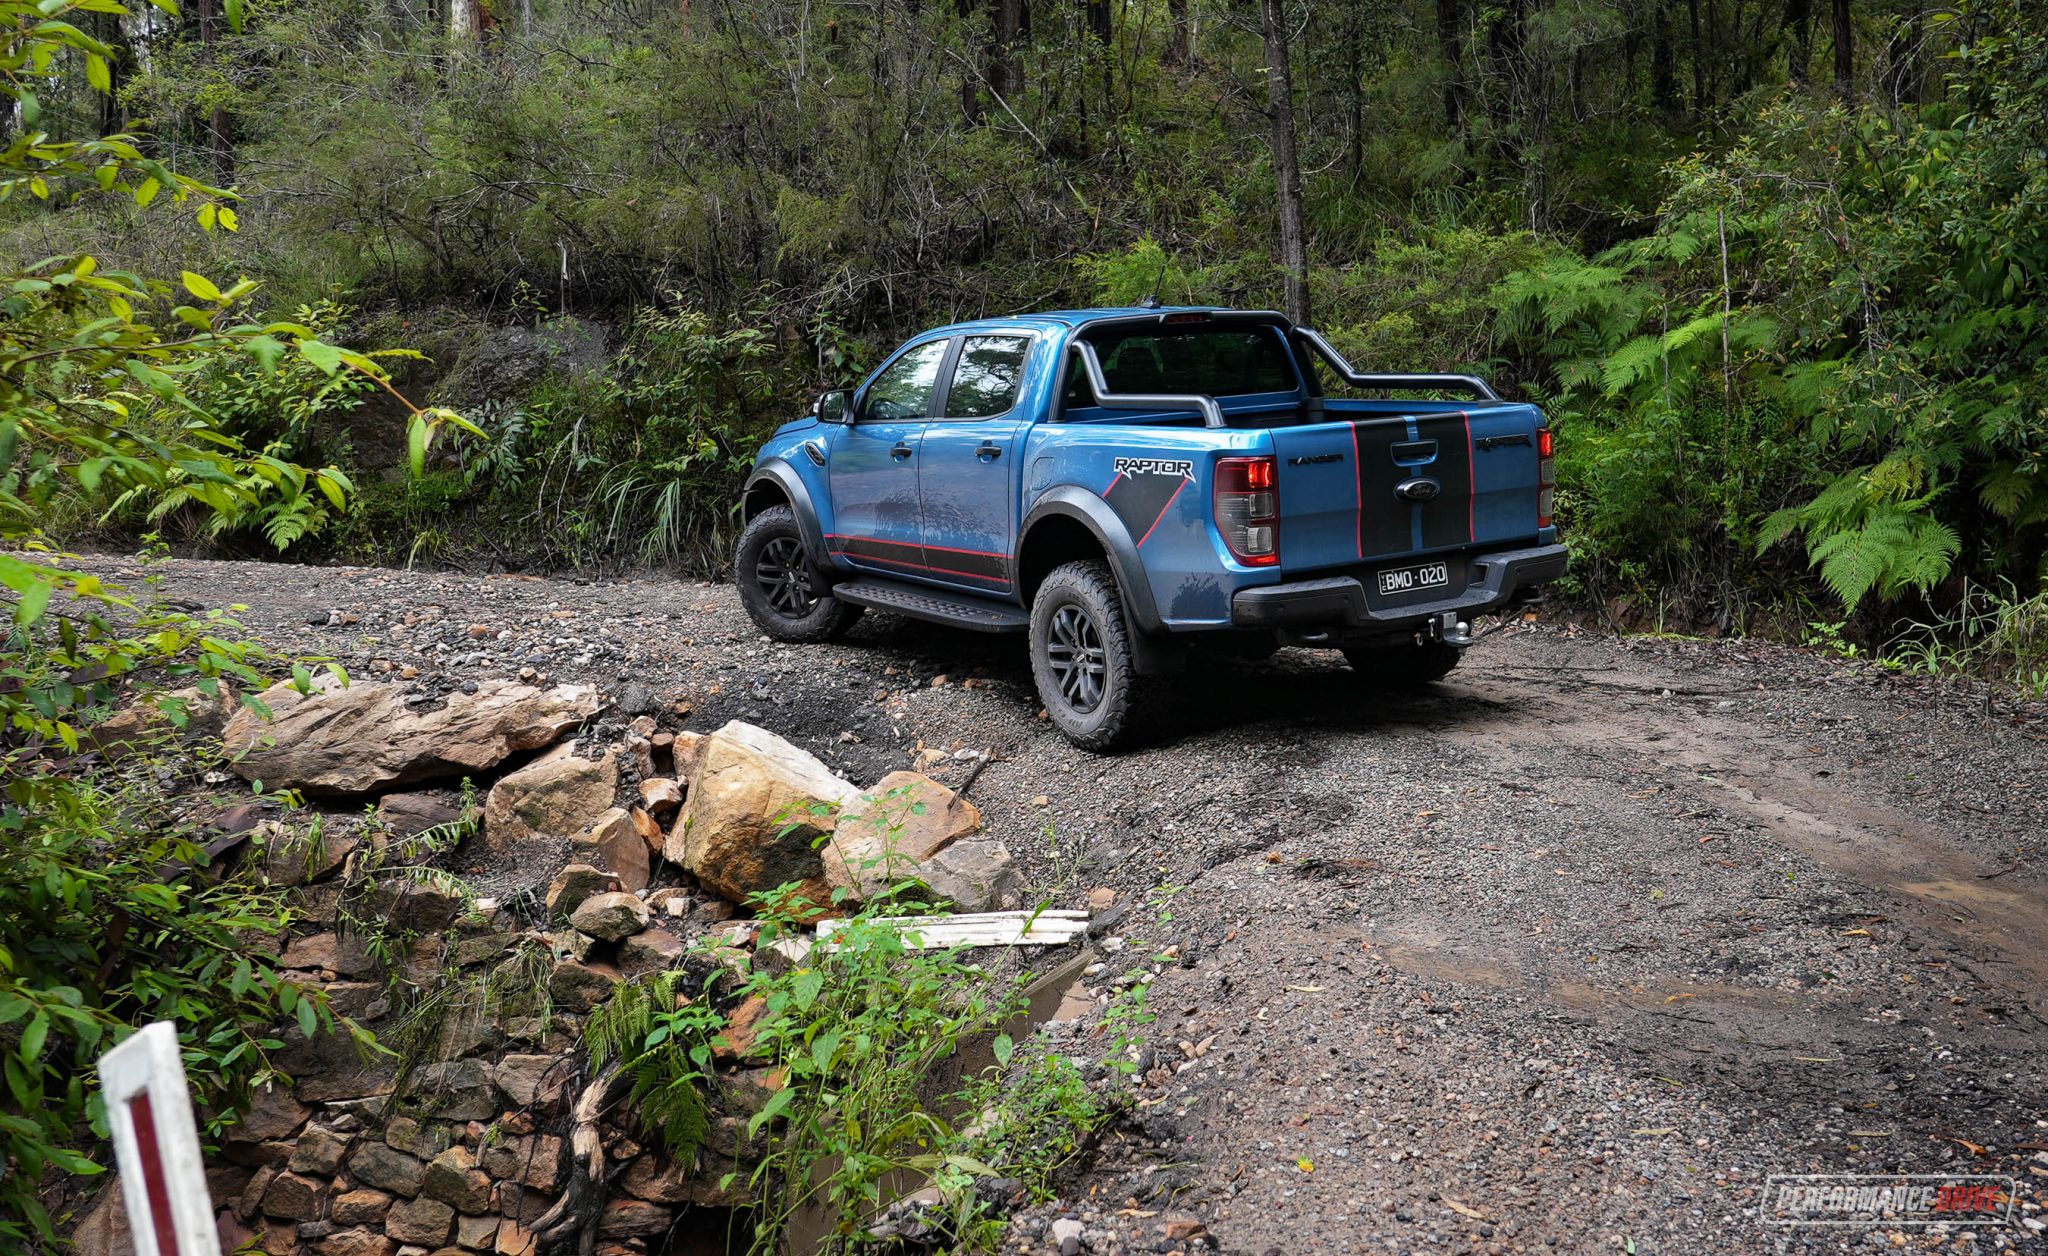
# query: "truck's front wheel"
1403 666
774 579
1081 658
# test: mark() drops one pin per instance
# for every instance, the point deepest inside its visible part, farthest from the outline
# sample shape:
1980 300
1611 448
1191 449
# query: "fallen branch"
583 1200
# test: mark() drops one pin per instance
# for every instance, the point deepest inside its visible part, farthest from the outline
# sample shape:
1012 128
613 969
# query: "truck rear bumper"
1340 602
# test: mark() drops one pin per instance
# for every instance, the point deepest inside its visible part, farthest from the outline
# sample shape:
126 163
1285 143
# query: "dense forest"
1774 266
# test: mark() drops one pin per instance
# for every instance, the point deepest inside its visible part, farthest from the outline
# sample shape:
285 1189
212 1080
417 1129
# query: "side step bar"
959 610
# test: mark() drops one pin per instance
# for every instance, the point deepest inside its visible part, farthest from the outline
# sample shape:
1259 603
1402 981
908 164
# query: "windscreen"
1216 361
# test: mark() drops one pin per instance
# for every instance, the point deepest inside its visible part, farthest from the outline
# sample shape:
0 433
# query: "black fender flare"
1074 502
784 477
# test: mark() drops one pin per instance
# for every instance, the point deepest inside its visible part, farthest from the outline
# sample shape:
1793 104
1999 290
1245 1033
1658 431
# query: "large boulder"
893 830
555 796
364 738
756 812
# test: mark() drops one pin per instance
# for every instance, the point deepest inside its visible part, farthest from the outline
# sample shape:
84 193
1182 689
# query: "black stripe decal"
942 562
1385 522
1447 520
1139 500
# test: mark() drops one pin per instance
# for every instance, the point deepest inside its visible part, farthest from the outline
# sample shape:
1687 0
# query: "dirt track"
1566 954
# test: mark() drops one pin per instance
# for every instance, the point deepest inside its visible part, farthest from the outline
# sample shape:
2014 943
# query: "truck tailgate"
1470 477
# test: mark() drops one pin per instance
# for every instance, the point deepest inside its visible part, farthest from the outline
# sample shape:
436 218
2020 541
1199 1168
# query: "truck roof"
1078 318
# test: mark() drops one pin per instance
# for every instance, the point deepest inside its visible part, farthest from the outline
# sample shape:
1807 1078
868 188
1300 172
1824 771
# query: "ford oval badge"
1419 489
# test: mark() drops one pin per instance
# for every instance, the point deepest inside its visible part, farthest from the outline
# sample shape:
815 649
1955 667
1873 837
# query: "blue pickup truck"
1121 484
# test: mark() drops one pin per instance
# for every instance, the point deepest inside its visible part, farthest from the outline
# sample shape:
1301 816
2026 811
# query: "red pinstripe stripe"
1471 480
1358 485
899 562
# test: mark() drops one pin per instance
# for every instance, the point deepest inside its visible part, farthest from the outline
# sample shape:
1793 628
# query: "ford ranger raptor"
1117 484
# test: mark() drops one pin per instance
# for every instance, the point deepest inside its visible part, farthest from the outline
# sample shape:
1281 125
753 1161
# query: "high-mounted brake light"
1189 316
1247 508
1546 475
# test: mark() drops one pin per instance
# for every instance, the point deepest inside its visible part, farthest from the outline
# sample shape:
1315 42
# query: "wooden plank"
995 928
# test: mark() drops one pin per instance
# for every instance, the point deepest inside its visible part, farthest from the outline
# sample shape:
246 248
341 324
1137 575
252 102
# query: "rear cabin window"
1215 361
985 383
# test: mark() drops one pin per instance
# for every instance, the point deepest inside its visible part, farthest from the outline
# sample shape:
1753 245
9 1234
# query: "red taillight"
1546 475
1247 509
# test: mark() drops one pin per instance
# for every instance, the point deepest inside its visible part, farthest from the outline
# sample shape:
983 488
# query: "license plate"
1411 579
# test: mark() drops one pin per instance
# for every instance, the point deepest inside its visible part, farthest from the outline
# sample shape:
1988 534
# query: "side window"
985 382
903 391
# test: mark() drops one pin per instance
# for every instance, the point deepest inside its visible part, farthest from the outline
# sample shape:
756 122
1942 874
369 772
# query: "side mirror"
834 407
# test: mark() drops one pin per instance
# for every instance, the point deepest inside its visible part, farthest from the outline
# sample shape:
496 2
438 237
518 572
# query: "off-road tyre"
775 582
1082 660
1397 667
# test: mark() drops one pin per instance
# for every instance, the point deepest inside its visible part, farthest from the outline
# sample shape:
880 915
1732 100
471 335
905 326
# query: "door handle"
988 451
900 452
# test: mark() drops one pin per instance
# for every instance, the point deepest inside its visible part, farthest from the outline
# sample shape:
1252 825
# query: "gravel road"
1566 954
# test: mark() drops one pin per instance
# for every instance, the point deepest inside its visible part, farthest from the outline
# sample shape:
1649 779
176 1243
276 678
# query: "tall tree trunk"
109 29
1902 73
970 76
1663 65
1099 20
1011 17
217 136
1179 47
1699 59
1799 20
1450 43
1845 51
1286 161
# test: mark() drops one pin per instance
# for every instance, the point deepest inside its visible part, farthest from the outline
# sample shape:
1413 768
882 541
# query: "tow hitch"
1451 630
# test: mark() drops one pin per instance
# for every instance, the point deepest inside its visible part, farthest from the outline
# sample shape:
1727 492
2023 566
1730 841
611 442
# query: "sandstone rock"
360 1207
632 1218
579 987
250 1201
514 1239
356 1243
736 1040
755 813
417 907
409 815
555 796
974 876
294 1197
657 1179
458 1090
541 1166
386 1169
429 1222
660 795
453 1179
272 1114
641 751
292 858
610 917
575 883
103 1229
615 842
156 719
319 1152
424 1139
534 1080
650 832
688 752
476 1233
895 828
648 952
364 737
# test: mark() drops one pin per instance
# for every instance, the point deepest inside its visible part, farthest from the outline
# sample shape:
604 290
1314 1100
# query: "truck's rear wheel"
1082 660
1403 666
775 582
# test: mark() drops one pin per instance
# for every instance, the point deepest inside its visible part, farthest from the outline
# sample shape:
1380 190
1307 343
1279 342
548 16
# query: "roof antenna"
1152 302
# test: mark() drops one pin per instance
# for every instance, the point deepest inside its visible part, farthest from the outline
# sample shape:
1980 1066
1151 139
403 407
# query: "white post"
156 1143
